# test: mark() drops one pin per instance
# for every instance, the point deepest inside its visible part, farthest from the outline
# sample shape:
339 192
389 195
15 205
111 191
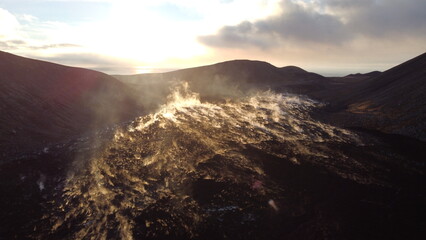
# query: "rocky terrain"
235 150
372 100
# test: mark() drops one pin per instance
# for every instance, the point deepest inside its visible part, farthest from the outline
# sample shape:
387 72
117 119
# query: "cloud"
11 44
26 34
27 18
326 22
304 24
295 23
58 45
17 44
9 24
390 18
347 4
81 58
242 35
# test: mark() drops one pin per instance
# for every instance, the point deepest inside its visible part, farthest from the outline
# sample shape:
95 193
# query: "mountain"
227 79
240 72
44 103
393 101
364 75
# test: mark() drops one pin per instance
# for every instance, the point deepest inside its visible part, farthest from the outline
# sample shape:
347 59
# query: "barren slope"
393 101
42 102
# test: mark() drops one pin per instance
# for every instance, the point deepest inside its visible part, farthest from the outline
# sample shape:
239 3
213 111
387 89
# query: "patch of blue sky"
175 12
60 11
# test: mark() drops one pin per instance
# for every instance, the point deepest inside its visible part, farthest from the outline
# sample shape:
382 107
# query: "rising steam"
145 175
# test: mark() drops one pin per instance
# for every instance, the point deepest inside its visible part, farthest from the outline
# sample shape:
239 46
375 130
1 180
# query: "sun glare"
143 69
133 31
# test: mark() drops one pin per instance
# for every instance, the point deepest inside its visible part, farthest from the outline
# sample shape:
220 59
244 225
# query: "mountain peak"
293 69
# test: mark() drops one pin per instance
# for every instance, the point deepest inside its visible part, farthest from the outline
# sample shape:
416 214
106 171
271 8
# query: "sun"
143 69
134 30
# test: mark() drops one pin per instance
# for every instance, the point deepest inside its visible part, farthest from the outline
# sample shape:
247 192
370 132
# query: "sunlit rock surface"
258 167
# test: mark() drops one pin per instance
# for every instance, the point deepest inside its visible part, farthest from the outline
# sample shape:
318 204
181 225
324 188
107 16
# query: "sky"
330 37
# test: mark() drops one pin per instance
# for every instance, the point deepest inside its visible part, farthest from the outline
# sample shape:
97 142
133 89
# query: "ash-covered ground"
256 167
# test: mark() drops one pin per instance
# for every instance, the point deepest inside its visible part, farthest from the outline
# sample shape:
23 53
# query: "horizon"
331 38
123 71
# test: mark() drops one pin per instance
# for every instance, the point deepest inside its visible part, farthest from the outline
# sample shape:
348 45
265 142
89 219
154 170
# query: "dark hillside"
42 102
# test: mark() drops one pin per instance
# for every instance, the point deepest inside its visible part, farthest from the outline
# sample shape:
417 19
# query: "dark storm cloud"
295 23
390 18
300 23
327 22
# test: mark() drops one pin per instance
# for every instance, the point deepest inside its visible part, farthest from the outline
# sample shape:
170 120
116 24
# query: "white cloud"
9 25
26 18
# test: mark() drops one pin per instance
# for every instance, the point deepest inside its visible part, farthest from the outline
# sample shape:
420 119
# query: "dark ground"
313 202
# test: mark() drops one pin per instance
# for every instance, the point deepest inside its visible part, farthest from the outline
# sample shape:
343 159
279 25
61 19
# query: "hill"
225 80
392 102
42 102
364 75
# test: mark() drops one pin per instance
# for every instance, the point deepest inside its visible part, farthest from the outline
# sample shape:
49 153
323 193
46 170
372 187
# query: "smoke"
216 83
